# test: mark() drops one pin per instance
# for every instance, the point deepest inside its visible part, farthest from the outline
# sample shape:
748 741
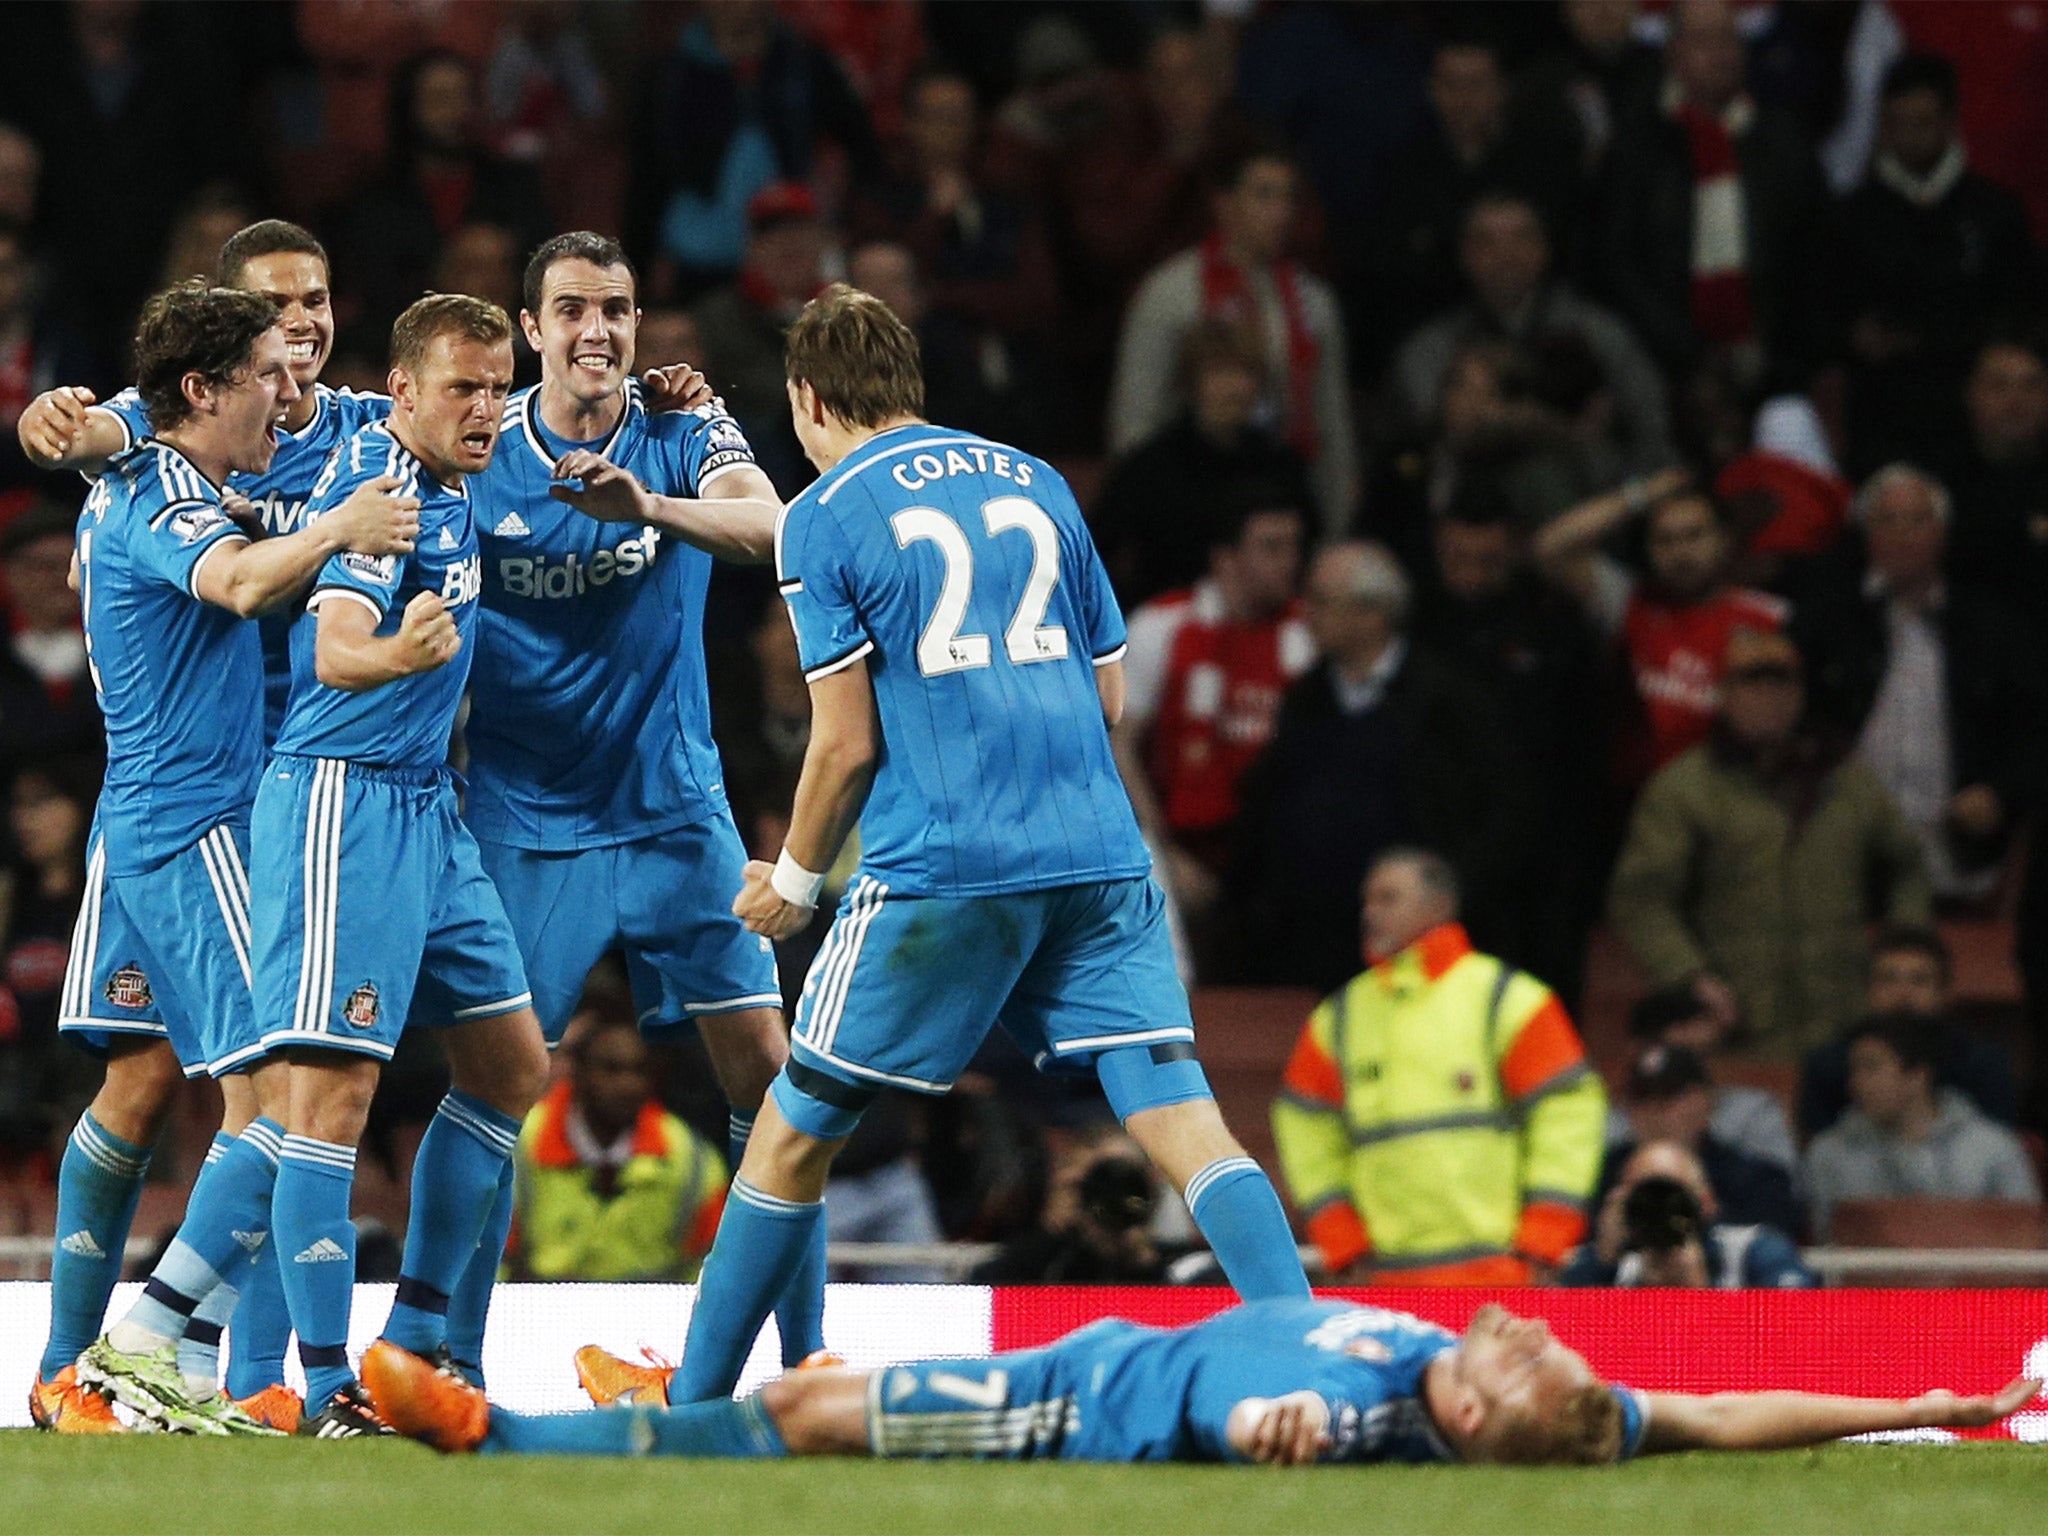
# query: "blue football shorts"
666 900
166 953
375 909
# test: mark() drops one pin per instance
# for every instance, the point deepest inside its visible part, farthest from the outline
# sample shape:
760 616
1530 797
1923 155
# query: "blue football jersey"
1167 1394
281 494
406 723
961 571
180 681
590 720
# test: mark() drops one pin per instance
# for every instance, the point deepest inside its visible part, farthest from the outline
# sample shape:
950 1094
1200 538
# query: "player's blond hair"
445 314
861 359
1583 1430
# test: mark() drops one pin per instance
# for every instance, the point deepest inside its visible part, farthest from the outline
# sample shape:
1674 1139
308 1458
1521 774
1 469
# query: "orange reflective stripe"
705 1227
1312 1072
1547 1047
1338 1232
1549 1232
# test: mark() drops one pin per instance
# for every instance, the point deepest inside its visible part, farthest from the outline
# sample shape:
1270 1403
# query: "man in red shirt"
1672 624
1206 669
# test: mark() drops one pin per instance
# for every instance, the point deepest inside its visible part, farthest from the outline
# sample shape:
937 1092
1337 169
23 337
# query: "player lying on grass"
1285 1381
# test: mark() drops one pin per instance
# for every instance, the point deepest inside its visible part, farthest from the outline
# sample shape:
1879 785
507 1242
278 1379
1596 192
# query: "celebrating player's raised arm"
738 525
1770 1421
62 430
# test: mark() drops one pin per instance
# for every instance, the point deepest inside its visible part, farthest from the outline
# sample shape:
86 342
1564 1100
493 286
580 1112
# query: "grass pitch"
165 1485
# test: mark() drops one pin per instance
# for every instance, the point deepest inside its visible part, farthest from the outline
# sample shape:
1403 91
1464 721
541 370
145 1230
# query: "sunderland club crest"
129 988
362 1006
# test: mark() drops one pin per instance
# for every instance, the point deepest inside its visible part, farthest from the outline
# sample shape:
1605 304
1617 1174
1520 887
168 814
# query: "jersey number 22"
1028 638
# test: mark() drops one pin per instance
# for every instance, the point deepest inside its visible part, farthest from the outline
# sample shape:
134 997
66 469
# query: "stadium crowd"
1594 454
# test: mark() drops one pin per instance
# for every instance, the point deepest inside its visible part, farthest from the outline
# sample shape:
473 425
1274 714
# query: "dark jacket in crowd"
1998 536
1977 1069
1749 1190
1431 763
1739 1258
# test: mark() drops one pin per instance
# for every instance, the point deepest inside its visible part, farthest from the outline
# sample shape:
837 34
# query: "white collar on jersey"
529 422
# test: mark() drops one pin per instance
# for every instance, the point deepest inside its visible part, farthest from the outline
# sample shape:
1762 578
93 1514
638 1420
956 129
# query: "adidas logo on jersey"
574 575
511 526
80 1244
250 1241
326 1251
447 538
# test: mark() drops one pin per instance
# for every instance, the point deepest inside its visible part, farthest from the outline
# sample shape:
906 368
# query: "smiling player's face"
296 282
251 407
585 329
450 405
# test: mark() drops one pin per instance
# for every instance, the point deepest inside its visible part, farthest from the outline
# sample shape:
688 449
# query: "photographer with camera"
1658 1227
1095 1228
1670 1096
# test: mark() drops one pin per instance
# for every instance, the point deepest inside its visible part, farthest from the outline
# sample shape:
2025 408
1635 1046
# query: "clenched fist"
427 637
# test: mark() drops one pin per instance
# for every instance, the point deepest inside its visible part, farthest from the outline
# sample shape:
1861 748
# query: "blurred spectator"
1904 1136
1095 1228
46 697
762 723
1911 971
203 226
1712 212
1206 670
1661 1225
742 324
877 1193
1754 861
1936 683
1670 1097
667 335
1505 256
974 379
50 812
1930 255
21 173
484 261
1776 473
1465 149
1188 472
541 83
1598 81
1381 744
879 47
1747 1120
607 1184
982 253
38 349
438 176
1671 627
1241 275
1437 1123
739 101
1482 610
1997 472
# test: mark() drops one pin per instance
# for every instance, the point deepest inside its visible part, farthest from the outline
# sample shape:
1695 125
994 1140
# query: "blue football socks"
316 1256
455 1179
762 1241
469 1307
98 1184
723 1428
800 1310
1233 1203
261 1330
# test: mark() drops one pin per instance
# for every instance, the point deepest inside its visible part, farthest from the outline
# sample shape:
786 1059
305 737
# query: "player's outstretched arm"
738 525
349 654
1770 1421
61 430
249 579
839 766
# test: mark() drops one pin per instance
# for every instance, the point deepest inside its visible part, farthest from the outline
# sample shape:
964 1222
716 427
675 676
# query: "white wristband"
795 884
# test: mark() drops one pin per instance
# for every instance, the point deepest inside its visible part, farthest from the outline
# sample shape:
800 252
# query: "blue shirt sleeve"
130 414
713 443
813 571
179 536
1635 1420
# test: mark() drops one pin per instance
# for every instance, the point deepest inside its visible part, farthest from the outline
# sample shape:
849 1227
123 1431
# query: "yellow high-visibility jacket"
1438 1116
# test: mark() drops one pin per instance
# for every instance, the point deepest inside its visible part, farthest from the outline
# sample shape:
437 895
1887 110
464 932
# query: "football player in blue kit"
595 791
159 975
1286 1382
963 651
371 907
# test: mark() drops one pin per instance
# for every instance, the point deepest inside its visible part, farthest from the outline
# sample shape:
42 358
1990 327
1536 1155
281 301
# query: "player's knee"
141 1084
330 1095
1136 1078
501 1060
818 1413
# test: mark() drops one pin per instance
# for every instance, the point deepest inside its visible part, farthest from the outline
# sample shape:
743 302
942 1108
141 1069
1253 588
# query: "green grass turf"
108 1487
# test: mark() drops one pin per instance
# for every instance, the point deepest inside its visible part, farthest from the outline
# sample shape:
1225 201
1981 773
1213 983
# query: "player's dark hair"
195 329
1915 938
861 359
266 237
576 245
1922 72
445 314
1912 1037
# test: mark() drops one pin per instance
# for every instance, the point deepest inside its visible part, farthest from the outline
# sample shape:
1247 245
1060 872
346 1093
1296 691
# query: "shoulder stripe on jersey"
918 447
840 664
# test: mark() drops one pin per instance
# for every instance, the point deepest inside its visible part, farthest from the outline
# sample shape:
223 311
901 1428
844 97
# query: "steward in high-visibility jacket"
1439 1122
650 1216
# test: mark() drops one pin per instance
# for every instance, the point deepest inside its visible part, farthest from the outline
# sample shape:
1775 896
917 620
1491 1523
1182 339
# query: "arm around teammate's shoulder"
251 579
64 428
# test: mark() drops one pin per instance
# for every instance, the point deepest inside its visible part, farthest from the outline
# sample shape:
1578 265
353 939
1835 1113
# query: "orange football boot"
821 1360
278 1406
62 1406
419 1399
608 1379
